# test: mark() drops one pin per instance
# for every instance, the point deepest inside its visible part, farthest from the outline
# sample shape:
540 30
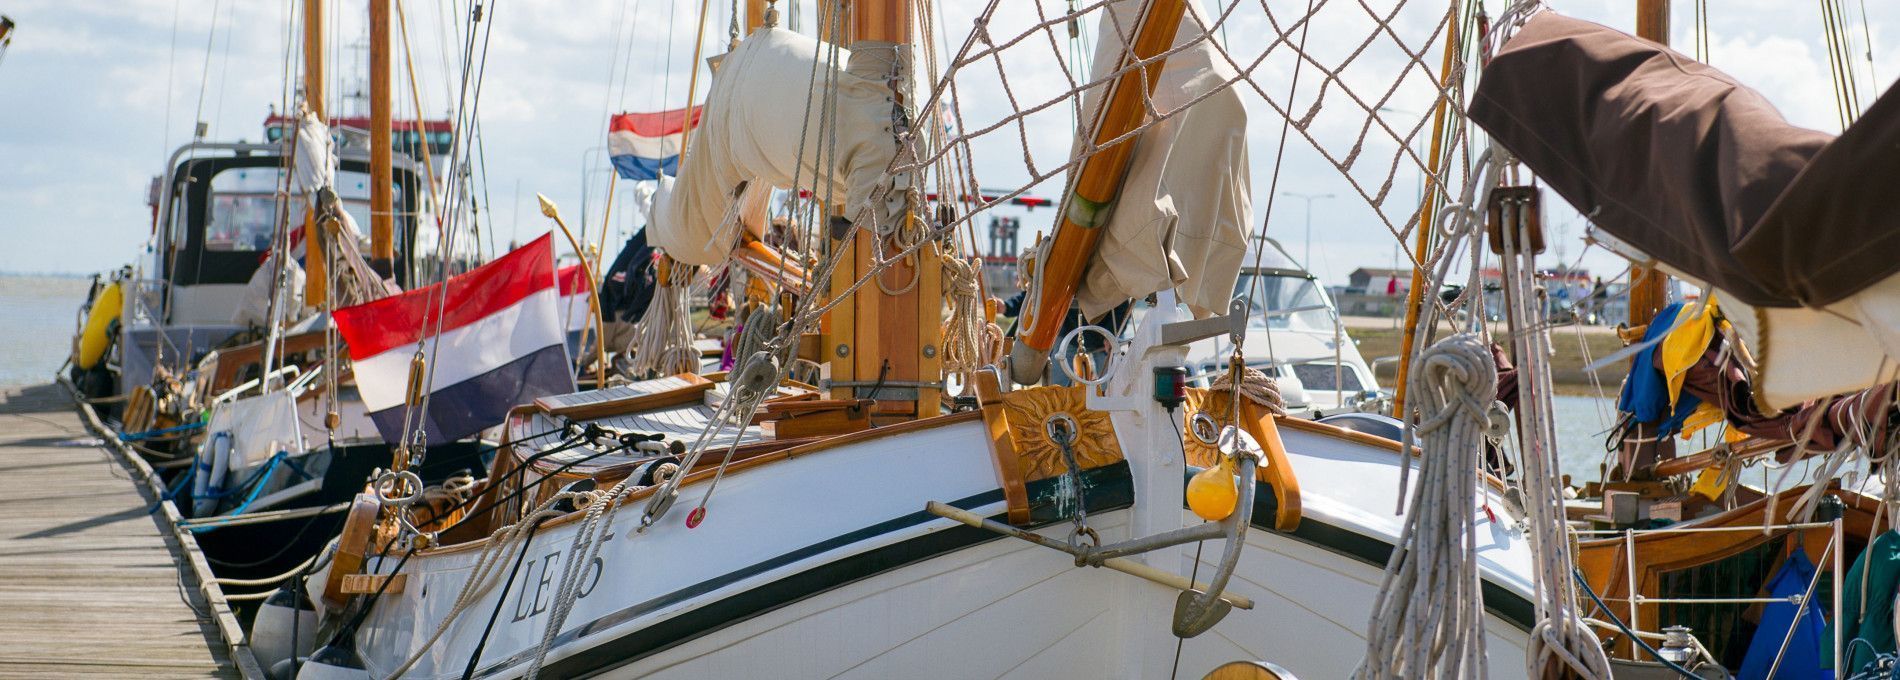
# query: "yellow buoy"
1212 494
93 338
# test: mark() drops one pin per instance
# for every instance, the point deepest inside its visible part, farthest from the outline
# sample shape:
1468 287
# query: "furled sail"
755 135
1684 163
1182 215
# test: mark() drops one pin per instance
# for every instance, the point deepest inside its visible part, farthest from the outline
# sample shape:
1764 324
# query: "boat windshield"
245 209
1273 295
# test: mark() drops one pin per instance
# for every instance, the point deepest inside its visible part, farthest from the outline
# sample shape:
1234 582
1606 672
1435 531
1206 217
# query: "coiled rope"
1428 620
1256 386
970 341
665 342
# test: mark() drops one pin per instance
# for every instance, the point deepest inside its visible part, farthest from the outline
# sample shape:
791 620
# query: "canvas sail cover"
1182 216
754 135
1684 163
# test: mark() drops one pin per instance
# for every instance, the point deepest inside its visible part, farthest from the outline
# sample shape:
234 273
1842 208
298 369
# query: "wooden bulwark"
88 582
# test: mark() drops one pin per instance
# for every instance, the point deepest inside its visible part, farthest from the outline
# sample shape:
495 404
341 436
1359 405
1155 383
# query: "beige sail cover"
755 134
1182 216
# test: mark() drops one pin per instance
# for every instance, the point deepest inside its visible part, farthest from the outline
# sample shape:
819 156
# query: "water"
1582 424
38 315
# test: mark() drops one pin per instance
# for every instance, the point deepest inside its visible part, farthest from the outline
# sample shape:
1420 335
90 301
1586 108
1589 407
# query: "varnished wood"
1427 214
382 195
1009 469
352 548
1099 179
693 391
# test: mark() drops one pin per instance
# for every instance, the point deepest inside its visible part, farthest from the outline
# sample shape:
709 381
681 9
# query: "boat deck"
88 582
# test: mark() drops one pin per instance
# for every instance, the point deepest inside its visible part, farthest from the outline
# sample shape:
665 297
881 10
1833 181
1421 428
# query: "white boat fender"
336 661
209 482
286 624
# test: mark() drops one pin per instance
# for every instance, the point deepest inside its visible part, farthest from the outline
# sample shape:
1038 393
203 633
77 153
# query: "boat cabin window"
1320 376
1273 295
245 207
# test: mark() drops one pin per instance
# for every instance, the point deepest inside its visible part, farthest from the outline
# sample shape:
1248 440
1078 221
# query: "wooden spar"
1642 448
382 195
1427 210
754 17
1753 448
593 284
1099 179
1646 296
317 279
879 336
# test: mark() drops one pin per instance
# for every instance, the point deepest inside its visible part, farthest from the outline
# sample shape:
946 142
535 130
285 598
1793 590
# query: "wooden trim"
694 391
1278 470
706 475
1009 468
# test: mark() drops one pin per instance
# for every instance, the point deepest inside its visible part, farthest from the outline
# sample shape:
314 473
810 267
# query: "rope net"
1375 71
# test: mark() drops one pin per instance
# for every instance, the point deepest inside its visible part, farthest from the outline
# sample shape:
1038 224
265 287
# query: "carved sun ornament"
1031 409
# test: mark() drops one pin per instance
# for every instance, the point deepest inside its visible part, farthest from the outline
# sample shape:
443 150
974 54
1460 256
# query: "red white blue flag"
500 344
647 145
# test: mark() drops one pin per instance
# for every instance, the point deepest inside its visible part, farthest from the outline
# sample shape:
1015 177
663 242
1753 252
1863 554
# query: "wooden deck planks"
88 582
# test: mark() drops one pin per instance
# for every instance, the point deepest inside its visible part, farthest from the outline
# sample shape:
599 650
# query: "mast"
886 344
1643 448
1427 209
1097 183
317 278
382 198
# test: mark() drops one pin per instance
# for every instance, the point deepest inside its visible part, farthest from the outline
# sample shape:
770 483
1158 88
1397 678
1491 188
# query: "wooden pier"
89 580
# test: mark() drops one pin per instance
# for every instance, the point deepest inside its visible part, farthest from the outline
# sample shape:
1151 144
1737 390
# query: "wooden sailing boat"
834 548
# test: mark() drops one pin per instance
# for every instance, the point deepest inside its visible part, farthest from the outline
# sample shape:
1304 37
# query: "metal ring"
1084 530
387 482
1068 360
1204 430
1061 428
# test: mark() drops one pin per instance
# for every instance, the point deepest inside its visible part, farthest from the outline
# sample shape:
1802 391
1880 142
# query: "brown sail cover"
1680 160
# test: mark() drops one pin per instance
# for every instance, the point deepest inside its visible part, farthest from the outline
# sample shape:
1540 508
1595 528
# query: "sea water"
38 318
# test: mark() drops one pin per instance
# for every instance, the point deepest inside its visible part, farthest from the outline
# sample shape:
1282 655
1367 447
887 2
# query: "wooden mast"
382 203
316 279
885 343
1643 449
1097 184
1427 210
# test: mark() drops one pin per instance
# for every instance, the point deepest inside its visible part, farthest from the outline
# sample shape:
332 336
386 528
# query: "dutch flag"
647 145
501 343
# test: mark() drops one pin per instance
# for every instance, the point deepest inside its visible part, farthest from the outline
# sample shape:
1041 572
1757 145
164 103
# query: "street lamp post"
1309 198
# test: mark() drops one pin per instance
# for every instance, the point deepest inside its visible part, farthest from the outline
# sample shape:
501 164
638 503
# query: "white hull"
824 565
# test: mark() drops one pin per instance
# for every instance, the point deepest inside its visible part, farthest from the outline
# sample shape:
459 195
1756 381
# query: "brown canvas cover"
1684 162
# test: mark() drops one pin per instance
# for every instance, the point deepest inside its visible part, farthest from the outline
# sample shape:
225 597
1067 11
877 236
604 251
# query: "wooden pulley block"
1526 200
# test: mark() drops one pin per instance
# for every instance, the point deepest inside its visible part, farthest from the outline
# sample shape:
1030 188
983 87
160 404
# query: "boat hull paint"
787 579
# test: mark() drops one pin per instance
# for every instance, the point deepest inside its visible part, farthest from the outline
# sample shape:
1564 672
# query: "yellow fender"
94 337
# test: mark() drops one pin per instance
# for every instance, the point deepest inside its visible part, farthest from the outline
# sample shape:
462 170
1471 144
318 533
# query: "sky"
95 94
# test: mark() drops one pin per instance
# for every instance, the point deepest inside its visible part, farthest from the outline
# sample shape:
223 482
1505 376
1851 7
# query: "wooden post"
382 196
1643 449
1427 210
1098 181
897 338
316 279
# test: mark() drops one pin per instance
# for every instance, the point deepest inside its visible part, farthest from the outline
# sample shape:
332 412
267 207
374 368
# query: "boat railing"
1831 554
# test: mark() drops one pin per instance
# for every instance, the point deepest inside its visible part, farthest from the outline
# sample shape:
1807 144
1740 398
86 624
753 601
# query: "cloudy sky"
94 95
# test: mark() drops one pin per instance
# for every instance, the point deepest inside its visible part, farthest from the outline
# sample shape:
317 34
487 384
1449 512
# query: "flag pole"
593 292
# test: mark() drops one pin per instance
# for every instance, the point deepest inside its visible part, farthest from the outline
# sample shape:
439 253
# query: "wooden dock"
89 585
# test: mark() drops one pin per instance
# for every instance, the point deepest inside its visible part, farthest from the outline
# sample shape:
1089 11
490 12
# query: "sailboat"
858 529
